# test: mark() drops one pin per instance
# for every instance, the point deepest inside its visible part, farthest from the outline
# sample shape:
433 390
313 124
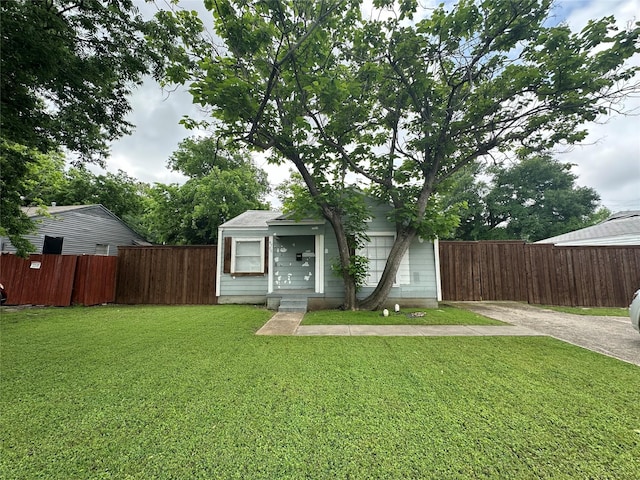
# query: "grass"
444 315
191 392
598 311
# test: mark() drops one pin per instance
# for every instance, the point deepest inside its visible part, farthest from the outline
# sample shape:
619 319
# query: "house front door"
294 263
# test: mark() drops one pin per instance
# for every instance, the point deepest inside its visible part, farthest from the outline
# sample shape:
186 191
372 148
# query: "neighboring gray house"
622 228
264 256
77 230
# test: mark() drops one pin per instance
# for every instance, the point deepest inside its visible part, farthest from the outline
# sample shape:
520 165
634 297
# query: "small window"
52 245
102 249
247 255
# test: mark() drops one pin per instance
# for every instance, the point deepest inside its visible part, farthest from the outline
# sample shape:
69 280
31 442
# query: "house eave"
289 223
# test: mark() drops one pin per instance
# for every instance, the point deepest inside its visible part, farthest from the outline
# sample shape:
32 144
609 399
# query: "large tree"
221 185
66 71
402 103
529 200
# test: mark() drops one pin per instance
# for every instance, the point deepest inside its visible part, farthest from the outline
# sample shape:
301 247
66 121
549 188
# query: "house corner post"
436 257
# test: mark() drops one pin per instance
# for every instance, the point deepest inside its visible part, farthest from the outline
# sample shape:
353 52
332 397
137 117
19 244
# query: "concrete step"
293 304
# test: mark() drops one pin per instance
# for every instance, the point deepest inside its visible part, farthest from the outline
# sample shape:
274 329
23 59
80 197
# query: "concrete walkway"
289 324
282 323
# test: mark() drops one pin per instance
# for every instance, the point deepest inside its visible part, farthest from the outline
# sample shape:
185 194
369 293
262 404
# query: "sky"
607 161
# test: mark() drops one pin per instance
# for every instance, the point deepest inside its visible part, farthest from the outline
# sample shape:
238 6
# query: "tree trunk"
378 297
350 300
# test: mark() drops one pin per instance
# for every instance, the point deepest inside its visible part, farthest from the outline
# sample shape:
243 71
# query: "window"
247 255
52 245
376 250
102 249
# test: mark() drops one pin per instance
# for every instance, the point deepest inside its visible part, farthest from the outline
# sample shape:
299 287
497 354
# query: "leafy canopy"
221 185
530 200
399 104
66 71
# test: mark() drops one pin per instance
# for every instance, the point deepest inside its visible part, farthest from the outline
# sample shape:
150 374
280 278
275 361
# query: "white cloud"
609 159
156 115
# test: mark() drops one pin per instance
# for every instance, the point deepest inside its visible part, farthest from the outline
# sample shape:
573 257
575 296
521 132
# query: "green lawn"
444 315
599 311
191 392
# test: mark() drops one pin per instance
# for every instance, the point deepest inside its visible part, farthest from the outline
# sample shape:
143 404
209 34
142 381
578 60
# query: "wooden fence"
167 275
534 273
539 273
58 280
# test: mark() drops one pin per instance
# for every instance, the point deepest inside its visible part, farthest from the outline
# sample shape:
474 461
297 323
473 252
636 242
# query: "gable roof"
252 219
287 219
35 211
621 228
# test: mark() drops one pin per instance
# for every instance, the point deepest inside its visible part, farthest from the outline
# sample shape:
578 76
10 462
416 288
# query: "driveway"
612 336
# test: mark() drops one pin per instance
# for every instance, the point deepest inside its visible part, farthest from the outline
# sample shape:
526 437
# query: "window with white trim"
247 255
377 250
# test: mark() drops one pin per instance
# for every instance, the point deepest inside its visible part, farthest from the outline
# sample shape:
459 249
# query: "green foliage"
192 392
16 162
532 199
118 192
66 71
47 182
398 107
296 199
443 315
44 180
598 311
221 185
357 268
198 157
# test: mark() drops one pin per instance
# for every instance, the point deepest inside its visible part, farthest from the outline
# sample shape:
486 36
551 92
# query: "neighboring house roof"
252 219
621 228
36 211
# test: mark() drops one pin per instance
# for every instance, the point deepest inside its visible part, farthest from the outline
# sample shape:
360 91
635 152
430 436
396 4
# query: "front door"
294 263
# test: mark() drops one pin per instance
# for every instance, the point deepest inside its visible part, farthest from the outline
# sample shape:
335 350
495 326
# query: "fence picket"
540 273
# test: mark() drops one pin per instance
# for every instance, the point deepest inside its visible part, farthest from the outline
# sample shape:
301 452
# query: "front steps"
293 304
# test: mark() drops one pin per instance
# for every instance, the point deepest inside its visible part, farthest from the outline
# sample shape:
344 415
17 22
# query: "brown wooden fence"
167 275
534 273
539 273
58 280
